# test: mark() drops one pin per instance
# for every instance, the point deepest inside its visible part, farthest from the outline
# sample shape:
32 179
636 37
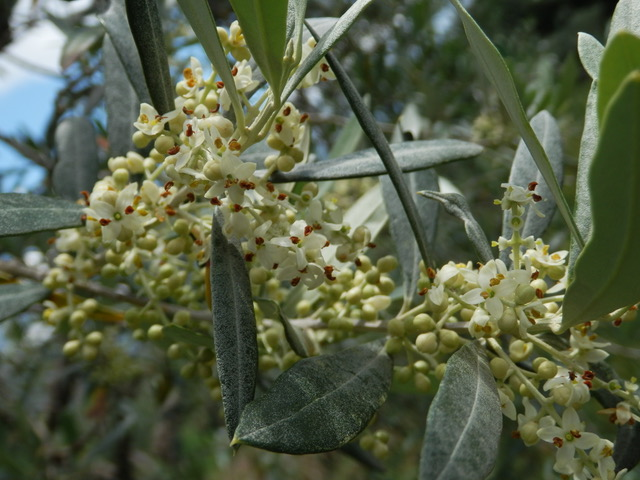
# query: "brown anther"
104 222
358 262
328 272
220 84
588 375
249 257
532 186
494 281
229 182
294 240
423 292
129 210
282 196
186 111
613 418
274 266
558 442
170 211
324 67
634 307
484 295
189 131
173 150
304 117
539 293
307 230
168 185
218 143
431 273
198 242
531 320
515 434
237 207
259 240
617 322
371 245
326 244
245 184
85 194
575 433
51 241
317 226
295 281
536 197
278 127
270 187
572 376
83 218
191 197
287 111
535 275
234 71
234 145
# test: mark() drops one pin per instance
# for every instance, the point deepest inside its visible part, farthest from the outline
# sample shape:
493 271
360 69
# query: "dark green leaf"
77 166
25 213
496 70
405 245
324 44
184 335
120 99
590 51
411 156
264 26
464 421
620 57
78 42
294 335
456 205
625 449
17 297
320 403
146 27
117 26
605 274
524 171
234 325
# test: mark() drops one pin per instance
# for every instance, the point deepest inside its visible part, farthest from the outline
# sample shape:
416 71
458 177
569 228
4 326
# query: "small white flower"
116 219
150 122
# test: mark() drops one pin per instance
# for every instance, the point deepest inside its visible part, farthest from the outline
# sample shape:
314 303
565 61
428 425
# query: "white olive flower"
119 220
150 122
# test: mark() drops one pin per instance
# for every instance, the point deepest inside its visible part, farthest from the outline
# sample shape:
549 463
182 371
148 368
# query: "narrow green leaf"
464 420
524 171
588 144
620 57
184 335
320 403
456 205
605 274
294 335
120 100
327 41
496 70
264 26
590 51
77 166
201 19
234 325
117 26
405 245
79 41
626 17
411 156
17 297
626 453
146 27
25 213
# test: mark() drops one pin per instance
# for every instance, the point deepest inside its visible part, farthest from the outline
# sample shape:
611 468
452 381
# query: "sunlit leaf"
17 297
77 151
320 403
411 156
605 274
234 326
464 420
496 70
456 205
626 17
25 213
620 57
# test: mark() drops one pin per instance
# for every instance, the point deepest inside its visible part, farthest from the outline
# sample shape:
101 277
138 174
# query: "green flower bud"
422 382
175 351
272 337
402 374
394 346
450 339
181 318
381 450
188 370
427 342
372 276
181 227
94 338
387 264
163 144
71 348
89 352
519 350
267 362
140 140
439 371
386 285
78 318
395 327
176 246
368 442
525 294
421 366
423 323
285 163
155 332
303 308
499 368
547 369
529 433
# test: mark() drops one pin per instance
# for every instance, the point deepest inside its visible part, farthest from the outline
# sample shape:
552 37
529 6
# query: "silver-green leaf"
17 297
320 403
590 51
23 213
464 420
234 325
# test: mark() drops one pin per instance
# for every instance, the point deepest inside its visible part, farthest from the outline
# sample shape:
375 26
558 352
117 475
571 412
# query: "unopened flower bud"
519 350
422 382
499 368
427 342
